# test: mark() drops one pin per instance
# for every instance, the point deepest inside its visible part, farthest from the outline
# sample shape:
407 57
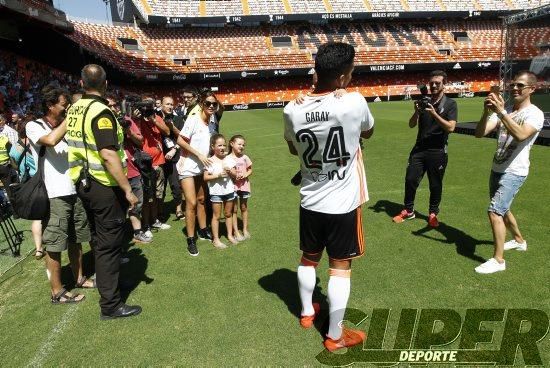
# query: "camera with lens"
130 103
425 99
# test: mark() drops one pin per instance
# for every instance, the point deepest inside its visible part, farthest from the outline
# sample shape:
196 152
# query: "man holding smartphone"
435 119
518 128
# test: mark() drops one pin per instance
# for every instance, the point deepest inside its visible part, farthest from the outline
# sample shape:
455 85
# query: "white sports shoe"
160 225
148 234
513 244
491 266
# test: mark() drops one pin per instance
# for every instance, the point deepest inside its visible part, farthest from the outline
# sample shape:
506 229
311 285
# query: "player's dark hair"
531 77
50 96
439 73
93 77
333 59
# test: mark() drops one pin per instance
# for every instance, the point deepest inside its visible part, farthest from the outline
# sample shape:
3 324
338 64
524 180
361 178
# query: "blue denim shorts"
503 187
243 194
222 198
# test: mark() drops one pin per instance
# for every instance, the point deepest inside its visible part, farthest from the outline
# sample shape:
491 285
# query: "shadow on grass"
133 273
465 244
284 283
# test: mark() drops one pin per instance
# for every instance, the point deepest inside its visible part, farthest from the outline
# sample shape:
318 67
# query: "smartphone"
495 89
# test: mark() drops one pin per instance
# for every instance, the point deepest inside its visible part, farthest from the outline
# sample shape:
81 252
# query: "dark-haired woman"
194 138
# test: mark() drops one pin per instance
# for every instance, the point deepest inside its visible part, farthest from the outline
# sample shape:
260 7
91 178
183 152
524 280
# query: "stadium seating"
246 48
193 8
266 7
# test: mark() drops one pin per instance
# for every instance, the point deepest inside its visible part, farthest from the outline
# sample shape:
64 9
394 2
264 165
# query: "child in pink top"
243 168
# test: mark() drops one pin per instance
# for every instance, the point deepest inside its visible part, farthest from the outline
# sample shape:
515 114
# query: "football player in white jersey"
324 131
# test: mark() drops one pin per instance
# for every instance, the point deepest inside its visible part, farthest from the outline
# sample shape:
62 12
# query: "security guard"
97 167
6 172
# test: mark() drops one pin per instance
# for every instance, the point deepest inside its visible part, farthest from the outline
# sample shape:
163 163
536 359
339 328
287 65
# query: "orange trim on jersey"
361 174
306 262
339 273
360 236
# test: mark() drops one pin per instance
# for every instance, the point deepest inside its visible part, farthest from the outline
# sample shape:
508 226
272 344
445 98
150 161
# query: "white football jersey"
325 131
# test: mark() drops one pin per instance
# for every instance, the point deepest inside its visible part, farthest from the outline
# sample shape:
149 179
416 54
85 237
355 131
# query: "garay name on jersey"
314 116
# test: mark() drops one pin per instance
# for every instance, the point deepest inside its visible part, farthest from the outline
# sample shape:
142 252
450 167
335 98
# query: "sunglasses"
211 104
518 85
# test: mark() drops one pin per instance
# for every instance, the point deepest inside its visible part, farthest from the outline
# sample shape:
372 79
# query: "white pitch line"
48 345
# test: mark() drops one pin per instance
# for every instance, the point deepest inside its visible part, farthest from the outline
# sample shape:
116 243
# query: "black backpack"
30 198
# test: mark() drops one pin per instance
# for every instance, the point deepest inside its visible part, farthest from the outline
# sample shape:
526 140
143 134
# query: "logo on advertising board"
211 76
247 74
457 66
275 104
240 107
179 77
311 71
280 72
484 64
151 76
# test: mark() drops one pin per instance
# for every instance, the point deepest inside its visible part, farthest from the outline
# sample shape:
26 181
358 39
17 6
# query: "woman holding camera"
194 138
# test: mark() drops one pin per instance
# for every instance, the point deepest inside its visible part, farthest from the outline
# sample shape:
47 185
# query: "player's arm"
291 148
367 121
367 134
289 132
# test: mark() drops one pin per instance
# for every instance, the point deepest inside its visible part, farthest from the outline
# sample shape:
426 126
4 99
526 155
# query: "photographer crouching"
436 115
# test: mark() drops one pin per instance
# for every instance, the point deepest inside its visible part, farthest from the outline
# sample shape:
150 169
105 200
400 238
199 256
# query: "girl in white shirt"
222 190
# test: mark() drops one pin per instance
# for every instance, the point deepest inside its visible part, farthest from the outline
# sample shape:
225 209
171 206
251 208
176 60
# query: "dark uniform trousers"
106 209
432 161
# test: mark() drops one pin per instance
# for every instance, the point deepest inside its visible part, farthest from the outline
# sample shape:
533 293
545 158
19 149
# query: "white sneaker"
513 244
491 266
160 225
148 234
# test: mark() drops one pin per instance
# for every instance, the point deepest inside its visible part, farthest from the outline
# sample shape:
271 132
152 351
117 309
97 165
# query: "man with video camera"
436 116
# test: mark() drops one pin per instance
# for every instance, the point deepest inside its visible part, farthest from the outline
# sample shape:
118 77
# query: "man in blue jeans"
518 127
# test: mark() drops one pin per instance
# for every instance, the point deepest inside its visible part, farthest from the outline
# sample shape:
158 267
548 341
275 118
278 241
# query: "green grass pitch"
238 307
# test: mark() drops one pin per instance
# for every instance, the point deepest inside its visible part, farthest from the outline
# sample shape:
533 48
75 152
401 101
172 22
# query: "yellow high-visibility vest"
4 154
81 154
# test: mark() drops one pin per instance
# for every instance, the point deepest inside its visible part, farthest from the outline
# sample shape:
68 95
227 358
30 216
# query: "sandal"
39 254
62 298
82 280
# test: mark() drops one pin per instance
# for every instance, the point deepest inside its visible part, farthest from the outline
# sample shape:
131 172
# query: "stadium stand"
266 7
194 8
242 48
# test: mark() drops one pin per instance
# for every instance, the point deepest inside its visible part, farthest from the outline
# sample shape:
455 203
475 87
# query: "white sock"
339 285
306 285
